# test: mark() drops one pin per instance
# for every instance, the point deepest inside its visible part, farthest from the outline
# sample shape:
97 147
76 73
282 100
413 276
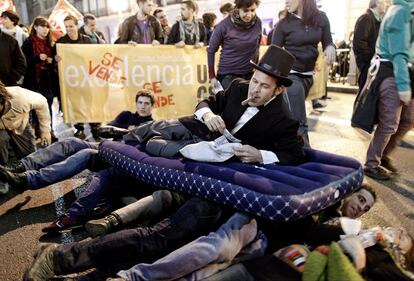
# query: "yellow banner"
97 82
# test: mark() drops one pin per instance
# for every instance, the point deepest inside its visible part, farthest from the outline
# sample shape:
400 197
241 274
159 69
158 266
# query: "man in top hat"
268 135
253 111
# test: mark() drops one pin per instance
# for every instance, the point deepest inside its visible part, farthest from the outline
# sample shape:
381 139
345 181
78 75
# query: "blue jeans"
125 248
235 272
58 162
202 257
103 183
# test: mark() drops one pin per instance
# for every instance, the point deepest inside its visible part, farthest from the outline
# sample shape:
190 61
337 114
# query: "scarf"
237 21
189 31
17 33
42 68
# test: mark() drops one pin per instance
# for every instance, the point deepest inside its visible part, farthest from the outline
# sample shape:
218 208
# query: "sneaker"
42 266
378 173
103 226
18 180
16 167
63 223
4 188
80 134
387 163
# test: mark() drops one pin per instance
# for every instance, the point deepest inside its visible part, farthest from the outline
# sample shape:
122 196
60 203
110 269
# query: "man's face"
162 17
7 22
380 7
91 25
247 14
186 12
146 7
71 29
262 88
357 204
144 106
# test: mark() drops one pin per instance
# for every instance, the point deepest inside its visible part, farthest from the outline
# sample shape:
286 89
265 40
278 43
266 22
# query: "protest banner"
99 81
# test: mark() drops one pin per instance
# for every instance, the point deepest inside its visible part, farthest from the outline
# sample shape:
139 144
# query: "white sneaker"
4 188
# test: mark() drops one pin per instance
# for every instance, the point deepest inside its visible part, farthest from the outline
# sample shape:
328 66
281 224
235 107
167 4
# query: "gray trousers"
147 208
394 121
296 95
164 138
22 145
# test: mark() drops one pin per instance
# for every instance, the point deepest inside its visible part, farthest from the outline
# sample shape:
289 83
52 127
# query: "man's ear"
280 90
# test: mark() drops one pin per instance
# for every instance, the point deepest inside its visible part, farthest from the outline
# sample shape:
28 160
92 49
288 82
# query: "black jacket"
174 36
132 32
50 77
365 37
302 41
13 63
98 33
270 129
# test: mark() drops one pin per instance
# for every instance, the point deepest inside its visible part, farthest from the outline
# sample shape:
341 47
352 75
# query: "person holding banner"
188 30
74 37
239 37
142 28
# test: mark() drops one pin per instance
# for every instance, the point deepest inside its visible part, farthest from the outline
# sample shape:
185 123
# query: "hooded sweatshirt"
396 40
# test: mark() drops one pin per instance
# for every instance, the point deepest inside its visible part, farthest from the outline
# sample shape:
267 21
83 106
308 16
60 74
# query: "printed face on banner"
144 106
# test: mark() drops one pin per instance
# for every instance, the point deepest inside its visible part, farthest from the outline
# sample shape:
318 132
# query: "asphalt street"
23 215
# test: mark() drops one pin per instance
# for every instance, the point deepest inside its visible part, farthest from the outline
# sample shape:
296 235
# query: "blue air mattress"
276 192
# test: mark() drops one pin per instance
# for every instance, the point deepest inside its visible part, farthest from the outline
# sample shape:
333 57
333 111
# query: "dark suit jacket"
270 129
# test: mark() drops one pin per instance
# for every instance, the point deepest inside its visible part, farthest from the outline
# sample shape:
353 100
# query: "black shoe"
378 173
387 163
63 223
80 134
102 226
16 167
111 132
317 105
18 180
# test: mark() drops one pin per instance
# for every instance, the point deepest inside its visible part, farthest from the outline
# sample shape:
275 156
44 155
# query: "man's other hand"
248 154
214 122
46 139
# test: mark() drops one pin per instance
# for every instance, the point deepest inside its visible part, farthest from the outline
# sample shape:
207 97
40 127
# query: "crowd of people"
262 103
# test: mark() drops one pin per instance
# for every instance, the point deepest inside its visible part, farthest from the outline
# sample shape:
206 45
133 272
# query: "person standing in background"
188 30
299 32
41 75
13 63
365 36
11 26
166 28
239 38
209 21
89 29
395 77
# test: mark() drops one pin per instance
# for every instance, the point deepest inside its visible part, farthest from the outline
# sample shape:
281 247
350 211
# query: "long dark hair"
310 13
41 21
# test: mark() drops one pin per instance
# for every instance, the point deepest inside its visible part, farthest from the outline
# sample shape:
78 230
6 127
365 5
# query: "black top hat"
276 62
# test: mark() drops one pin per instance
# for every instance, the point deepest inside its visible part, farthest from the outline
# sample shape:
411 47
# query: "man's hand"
46 139
155 42
405 97
214 122
199 45
180 44
58 58
248 154
132 43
